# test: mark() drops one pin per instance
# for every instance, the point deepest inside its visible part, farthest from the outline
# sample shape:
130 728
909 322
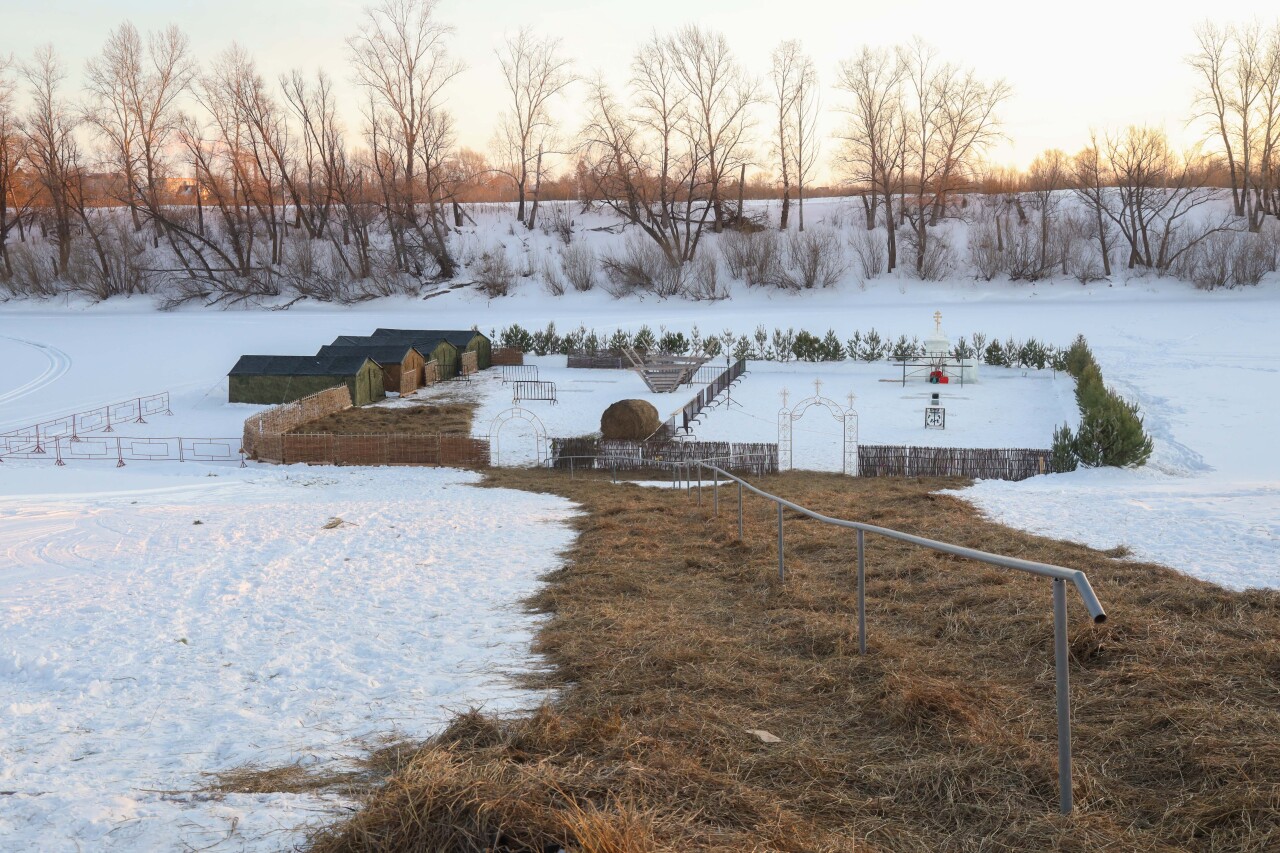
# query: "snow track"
59 364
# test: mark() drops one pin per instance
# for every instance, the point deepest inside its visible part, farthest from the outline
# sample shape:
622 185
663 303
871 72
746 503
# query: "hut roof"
460 338
382 352
299 365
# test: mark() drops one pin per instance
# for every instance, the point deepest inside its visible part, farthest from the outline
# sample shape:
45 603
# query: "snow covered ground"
1006 408
157 633
108 719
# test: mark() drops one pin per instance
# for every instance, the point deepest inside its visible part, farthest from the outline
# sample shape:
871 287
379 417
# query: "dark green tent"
466 340
397 361
270 379
435 348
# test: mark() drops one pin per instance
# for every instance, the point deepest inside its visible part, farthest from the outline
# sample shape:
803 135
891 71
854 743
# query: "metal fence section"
519 373
101 419
522 390
975 462
1058 575
122 449
683 420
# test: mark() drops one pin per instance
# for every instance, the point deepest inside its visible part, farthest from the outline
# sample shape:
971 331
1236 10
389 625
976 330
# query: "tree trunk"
537 190
742 185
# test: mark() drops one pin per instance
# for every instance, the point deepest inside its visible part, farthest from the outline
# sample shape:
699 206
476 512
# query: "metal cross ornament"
785 395
937 321
817 387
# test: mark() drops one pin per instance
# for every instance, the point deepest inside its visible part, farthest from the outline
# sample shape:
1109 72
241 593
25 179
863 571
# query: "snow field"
141 651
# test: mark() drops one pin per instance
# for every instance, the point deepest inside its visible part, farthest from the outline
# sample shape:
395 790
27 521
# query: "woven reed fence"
506 357
972 462
595 362
430 373
469 365
612 454
263 429
453 451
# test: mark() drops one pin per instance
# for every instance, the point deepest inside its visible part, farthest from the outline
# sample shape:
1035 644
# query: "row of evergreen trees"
781 345
1111 431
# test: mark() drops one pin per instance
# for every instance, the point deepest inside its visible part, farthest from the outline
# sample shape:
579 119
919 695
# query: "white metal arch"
516 413
848 418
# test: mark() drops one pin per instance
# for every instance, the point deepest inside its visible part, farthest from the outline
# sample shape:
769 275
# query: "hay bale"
630 420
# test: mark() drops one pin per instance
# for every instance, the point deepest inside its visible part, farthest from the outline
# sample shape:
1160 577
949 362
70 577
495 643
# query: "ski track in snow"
59 364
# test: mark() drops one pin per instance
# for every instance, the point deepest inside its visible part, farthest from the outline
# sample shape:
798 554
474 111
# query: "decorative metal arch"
848 418
516 413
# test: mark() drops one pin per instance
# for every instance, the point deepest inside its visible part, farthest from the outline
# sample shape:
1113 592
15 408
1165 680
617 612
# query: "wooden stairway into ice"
664 373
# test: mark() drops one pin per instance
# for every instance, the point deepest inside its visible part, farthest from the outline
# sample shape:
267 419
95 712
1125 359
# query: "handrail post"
739 511
782 570
699 485
570 467
862 594
715 492
1063 691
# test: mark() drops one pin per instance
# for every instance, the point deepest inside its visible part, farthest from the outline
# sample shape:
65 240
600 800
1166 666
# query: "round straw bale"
633 420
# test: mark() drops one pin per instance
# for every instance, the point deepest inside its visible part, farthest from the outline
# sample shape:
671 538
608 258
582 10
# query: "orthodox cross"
937 321
851 397
817 387
784 397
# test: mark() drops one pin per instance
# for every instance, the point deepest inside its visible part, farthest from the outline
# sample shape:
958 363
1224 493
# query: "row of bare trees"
1238 103
229 186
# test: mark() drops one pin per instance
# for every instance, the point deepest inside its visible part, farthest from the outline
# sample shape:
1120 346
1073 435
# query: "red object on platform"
944 379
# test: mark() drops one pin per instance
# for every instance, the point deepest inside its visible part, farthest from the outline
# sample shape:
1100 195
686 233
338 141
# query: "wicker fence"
506 356
430 373
262 431
454 451
596 362
972 462
610 454
469 365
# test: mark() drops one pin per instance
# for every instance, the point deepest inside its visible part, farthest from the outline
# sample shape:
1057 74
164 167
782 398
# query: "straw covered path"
667 641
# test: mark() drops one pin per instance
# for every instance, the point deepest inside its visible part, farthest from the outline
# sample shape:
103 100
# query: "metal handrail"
1058 574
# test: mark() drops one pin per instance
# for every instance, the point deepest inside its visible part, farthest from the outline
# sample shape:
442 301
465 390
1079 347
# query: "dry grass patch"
669 639
452 418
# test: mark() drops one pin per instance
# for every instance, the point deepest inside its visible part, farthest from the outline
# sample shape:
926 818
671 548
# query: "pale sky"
1074 66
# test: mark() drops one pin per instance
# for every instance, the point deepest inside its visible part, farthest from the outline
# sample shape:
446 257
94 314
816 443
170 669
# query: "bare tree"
1212 100
535 71
133 108
401 59
720 97
967 127
1089 182
15 197
1046 179
795 104
52 149
873 136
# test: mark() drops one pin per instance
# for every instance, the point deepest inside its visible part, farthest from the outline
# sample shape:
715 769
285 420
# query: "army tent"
401 363
466 340
269 379
436 349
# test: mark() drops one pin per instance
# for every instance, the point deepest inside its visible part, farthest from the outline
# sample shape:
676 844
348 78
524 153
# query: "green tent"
271 379
466 340
432 348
